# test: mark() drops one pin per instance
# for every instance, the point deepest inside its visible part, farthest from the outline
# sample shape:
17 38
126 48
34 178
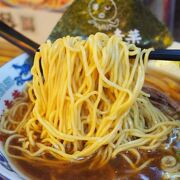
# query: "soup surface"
116 169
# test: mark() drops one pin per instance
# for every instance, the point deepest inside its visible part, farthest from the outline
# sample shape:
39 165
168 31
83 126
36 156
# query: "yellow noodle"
86 100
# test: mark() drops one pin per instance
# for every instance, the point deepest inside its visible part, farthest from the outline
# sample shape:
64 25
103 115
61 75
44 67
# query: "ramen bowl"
14 76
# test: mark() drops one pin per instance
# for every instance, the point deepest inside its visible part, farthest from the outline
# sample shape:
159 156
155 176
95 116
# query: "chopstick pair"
31 47
18 39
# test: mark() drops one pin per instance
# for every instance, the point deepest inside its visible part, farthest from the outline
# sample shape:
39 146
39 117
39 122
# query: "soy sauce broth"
116 169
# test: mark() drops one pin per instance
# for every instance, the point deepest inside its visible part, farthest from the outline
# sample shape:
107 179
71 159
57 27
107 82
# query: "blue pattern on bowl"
13 77
23 74
4 162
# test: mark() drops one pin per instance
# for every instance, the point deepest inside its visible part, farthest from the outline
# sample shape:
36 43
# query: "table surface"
35 23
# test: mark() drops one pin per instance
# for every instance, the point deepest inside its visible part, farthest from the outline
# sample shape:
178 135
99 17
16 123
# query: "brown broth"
117 168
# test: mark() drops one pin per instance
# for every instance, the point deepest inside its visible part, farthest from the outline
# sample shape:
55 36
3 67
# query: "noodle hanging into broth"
86 101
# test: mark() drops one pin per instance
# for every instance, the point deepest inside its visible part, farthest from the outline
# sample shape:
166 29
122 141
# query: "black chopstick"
31 47
165 54
18 39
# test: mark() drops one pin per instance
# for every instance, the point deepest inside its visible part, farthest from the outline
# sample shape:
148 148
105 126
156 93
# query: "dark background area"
176 31
168 12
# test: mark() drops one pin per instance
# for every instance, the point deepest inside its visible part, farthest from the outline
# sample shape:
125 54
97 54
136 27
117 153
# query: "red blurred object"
16 94
168 12
38 4
8 103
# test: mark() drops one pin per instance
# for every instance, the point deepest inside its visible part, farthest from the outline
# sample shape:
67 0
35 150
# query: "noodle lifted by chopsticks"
86 101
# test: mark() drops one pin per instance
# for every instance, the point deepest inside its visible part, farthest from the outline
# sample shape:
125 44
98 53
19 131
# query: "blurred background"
36 19
168 12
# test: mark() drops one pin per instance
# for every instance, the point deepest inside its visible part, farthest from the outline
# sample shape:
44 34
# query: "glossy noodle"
86 101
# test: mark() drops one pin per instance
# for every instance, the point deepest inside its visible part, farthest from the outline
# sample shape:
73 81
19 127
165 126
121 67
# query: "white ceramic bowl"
13 77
